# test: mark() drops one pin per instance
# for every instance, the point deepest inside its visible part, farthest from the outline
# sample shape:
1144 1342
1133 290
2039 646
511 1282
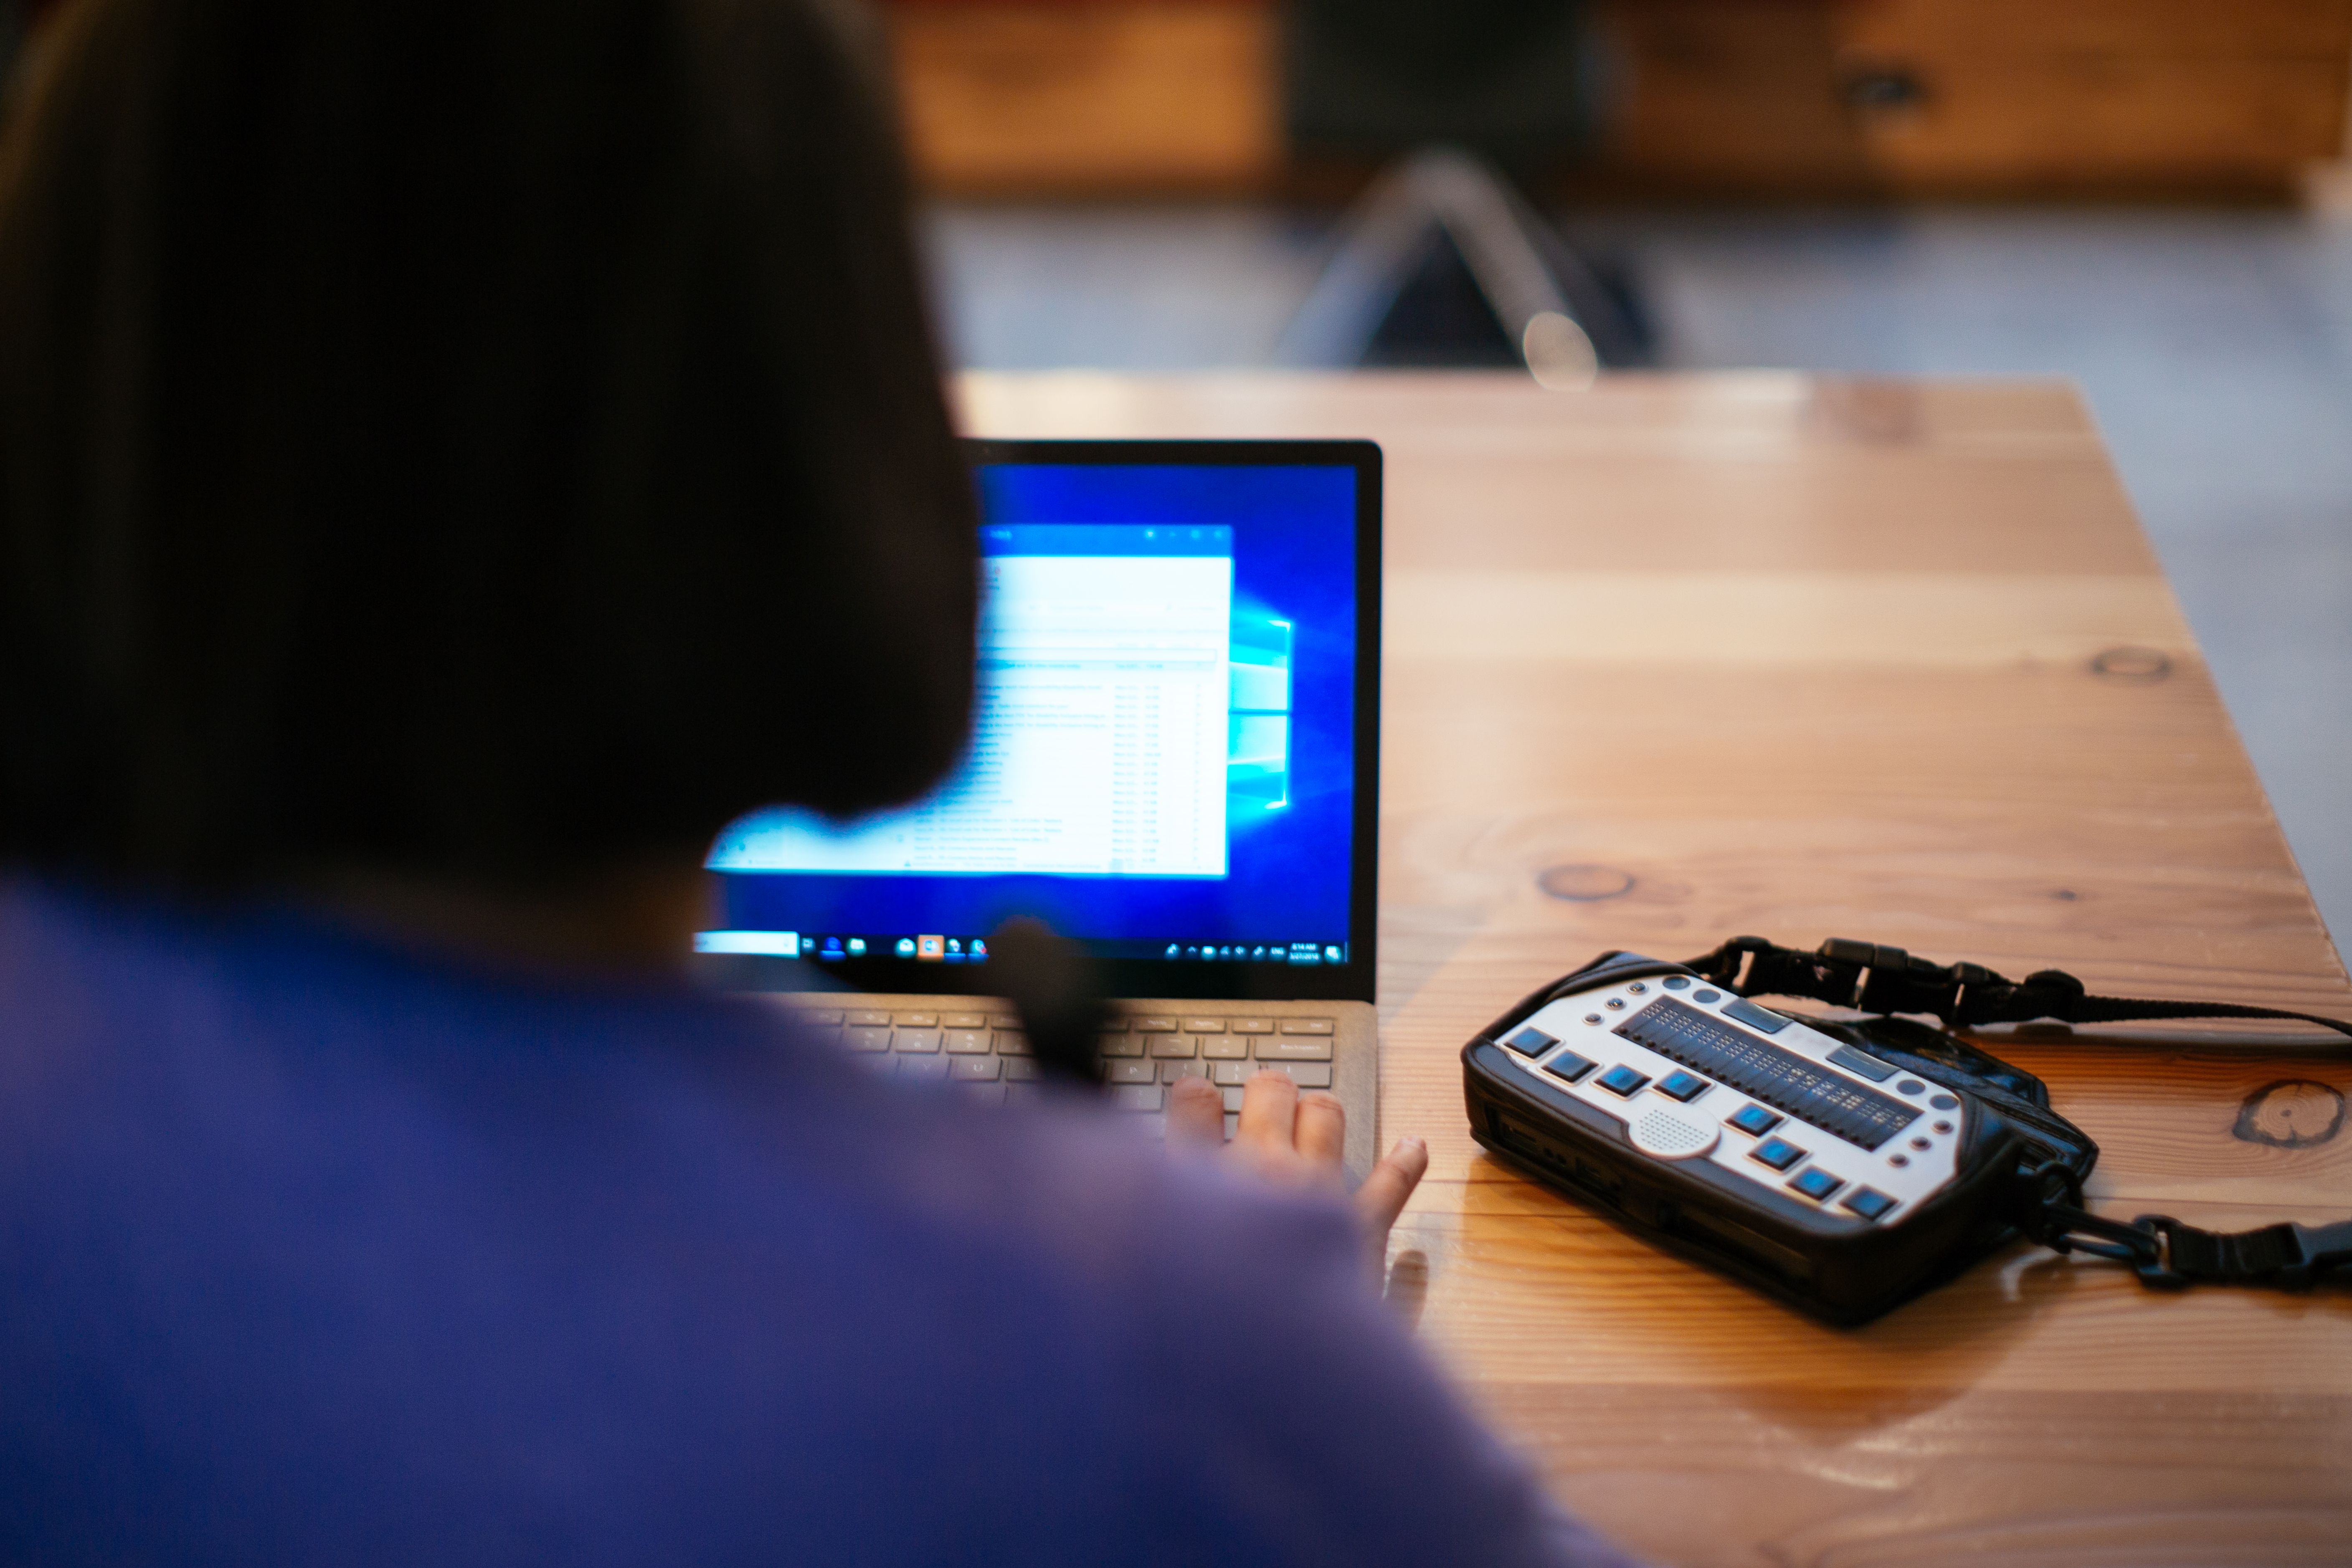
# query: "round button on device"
1675 982
1898 1160
1944 1102
1615 1003
1943 1127
1592 1017
1706 996
1663 1135
1910 1086
1637 988
1922 1143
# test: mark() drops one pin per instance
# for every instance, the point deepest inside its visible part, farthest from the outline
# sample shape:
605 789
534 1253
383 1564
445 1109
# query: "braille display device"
1842 1166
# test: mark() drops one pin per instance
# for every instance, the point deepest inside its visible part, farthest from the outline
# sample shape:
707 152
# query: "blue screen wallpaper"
1289 777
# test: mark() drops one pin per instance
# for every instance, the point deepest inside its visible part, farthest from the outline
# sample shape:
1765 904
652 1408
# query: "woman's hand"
1295 1139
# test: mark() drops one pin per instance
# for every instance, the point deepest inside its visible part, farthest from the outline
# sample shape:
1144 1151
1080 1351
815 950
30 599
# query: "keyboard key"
1138 1096
1755 1120
1868 1066
1306 1075
1776 1152
918 1020
1171 1071
1232 1103
917 1040
1684 1087
928 1070
1007 1021
1111 1025
966 1042
1011 1043
1250 1026
866 1018
1230 1073
1531 1042
1233 1125
819 1018
1306 1025
1154 1025
1130 1071
1122 1045
1276 1049
963 1020
1204 1025
1868 1203
977 1069
986 1093
1816 1183
1570 1066
1230 1048
865 1039
1172 1045
1021 1069
1622 1079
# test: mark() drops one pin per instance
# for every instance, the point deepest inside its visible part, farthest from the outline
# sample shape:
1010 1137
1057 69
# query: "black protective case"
1845 1270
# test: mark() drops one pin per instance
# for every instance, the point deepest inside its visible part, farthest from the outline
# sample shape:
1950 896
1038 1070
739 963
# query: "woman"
454 458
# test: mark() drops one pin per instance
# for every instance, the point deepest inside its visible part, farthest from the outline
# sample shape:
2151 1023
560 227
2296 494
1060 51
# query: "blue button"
1706 996
1755 1121
1776 1152
1868 1203
1531 1042
1621 1079
1675 982
1682 1086
1569 1065
1816 1183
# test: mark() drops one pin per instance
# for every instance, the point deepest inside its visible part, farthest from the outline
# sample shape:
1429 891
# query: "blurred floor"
2215 348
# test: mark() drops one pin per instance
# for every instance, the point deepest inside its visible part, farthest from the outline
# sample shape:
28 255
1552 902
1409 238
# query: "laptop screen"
1171 759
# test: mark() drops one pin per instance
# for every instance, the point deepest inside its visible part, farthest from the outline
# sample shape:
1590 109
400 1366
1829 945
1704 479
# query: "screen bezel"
1177 979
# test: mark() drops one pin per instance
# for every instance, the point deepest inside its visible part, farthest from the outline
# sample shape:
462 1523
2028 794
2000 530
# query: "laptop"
1174 764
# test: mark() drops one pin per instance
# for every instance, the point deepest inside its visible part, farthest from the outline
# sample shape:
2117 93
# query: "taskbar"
942 949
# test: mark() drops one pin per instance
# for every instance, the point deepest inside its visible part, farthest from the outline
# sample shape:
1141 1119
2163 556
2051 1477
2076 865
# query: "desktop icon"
930 949
856 947
1174 951
1191 952
955 947
1331 956
1258 952
906 948
979 950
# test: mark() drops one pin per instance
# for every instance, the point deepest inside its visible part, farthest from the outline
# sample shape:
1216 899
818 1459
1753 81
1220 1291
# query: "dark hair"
487 438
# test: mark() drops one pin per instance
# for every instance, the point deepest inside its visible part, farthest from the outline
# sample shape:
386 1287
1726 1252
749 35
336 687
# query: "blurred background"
2148 196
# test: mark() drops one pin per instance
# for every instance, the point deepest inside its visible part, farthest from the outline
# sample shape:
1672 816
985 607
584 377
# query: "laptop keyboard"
987 1055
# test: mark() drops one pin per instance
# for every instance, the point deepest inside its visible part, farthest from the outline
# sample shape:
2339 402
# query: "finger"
1383 1197
1321 1129
1196 1114
1269 1105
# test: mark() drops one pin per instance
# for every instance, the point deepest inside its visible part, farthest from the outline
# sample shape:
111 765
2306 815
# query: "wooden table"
1811 658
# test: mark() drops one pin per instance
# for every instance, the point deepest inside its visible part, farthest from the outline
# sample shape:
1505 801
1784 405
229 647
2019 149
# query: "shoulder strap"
1876 979
2165 1251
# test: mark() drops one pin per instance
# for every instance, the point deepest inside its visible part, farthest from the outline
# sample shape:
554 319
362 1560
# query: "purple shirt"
314 1249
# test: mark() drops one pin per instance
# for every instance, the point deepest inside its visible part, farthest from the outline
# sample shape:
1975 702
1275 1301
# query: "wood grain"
1122 97
1027 98
1813 658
